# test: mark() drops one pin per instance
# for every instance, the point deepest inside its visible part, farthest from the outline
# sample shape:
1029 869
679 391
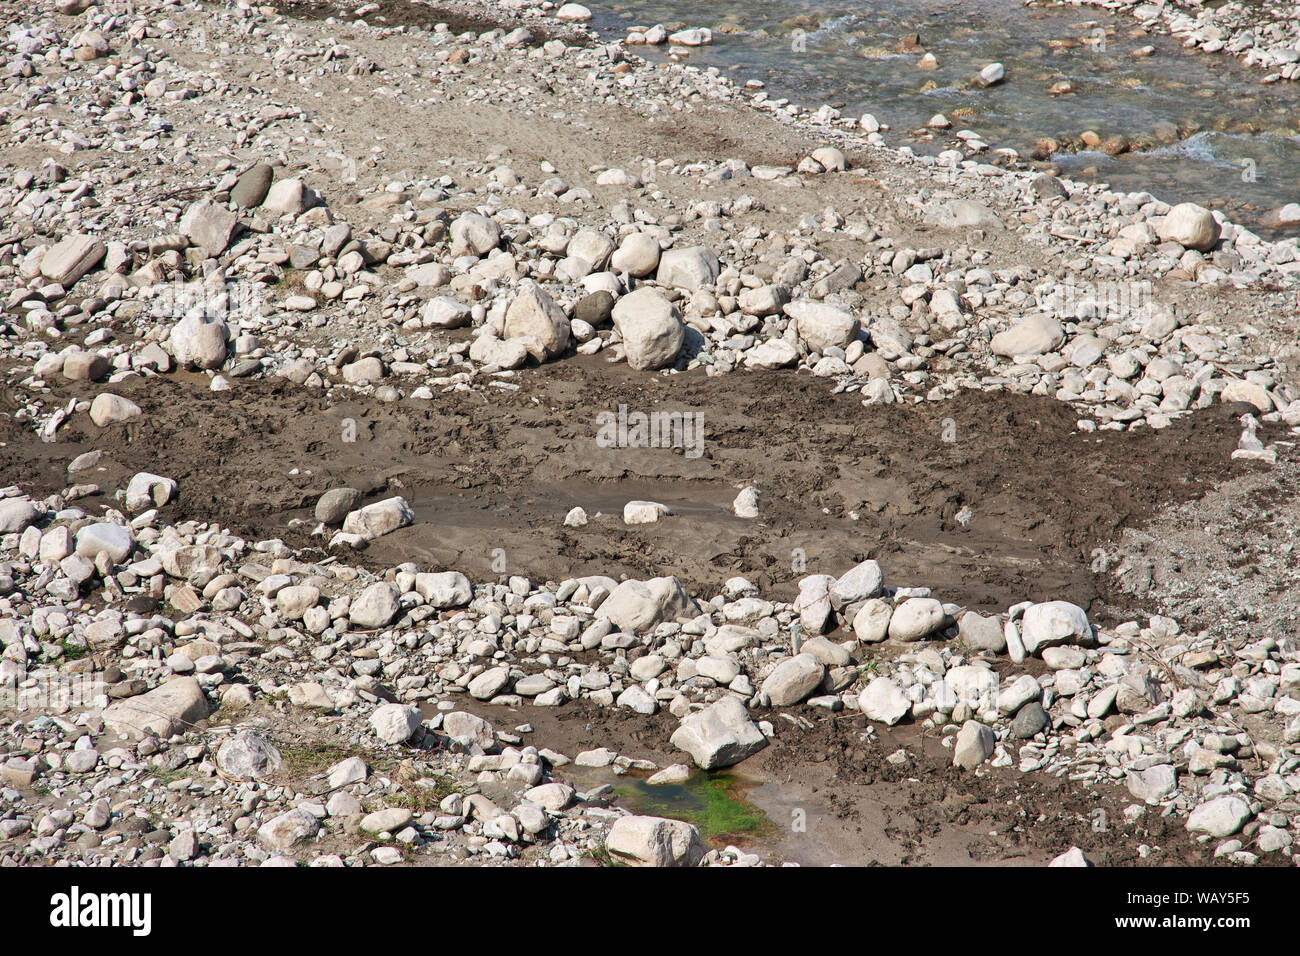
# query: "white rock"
534 315
1220 817
692 269
721 735
916 618
637 606
380 518
882 700
1054 623
149 491
170 709
654 841
793 680
975 744
651 329
395 723
108 409
820 325
1191 226
375 607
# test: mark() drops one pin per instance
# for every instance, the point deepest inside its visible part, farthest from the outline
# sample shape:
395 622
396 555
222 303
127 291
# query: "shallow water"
1205 129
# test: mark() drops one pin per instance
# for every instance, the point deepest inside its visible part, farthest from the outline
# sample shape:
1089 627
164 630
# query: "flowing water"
1200 127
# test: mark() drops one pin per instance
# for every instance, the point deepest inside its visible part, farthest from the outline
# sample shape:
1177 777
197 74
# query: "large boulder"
1191 226
651 329
792 680
822 326
534 316
395 723
721 735
637 606
637 255
883 700
71 258
209 226
165 711
1054 623
375 607
692 269
379 518
654 841
199 342
474 234
1036 335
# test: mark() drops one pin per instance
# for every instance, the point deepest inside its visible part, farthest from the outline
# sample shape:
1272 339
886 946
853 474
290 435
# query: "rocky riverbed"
419 418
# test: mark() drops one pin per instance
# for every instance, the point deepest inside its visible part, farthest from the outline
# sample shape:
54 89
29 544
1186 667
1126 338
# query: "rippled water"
1202 127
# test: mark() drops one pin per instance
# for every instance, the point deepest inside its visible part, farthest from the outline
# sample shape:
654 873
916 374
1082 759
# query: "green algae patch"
713 802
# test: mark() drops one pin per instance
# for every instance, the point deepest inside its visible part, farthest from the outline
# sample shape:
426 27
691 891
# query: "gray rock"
981 633
1030 720
170 709
208 226
71 258
248 756
335 505
251 187
1152 784
1220 817
288 829
975 744
17 514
